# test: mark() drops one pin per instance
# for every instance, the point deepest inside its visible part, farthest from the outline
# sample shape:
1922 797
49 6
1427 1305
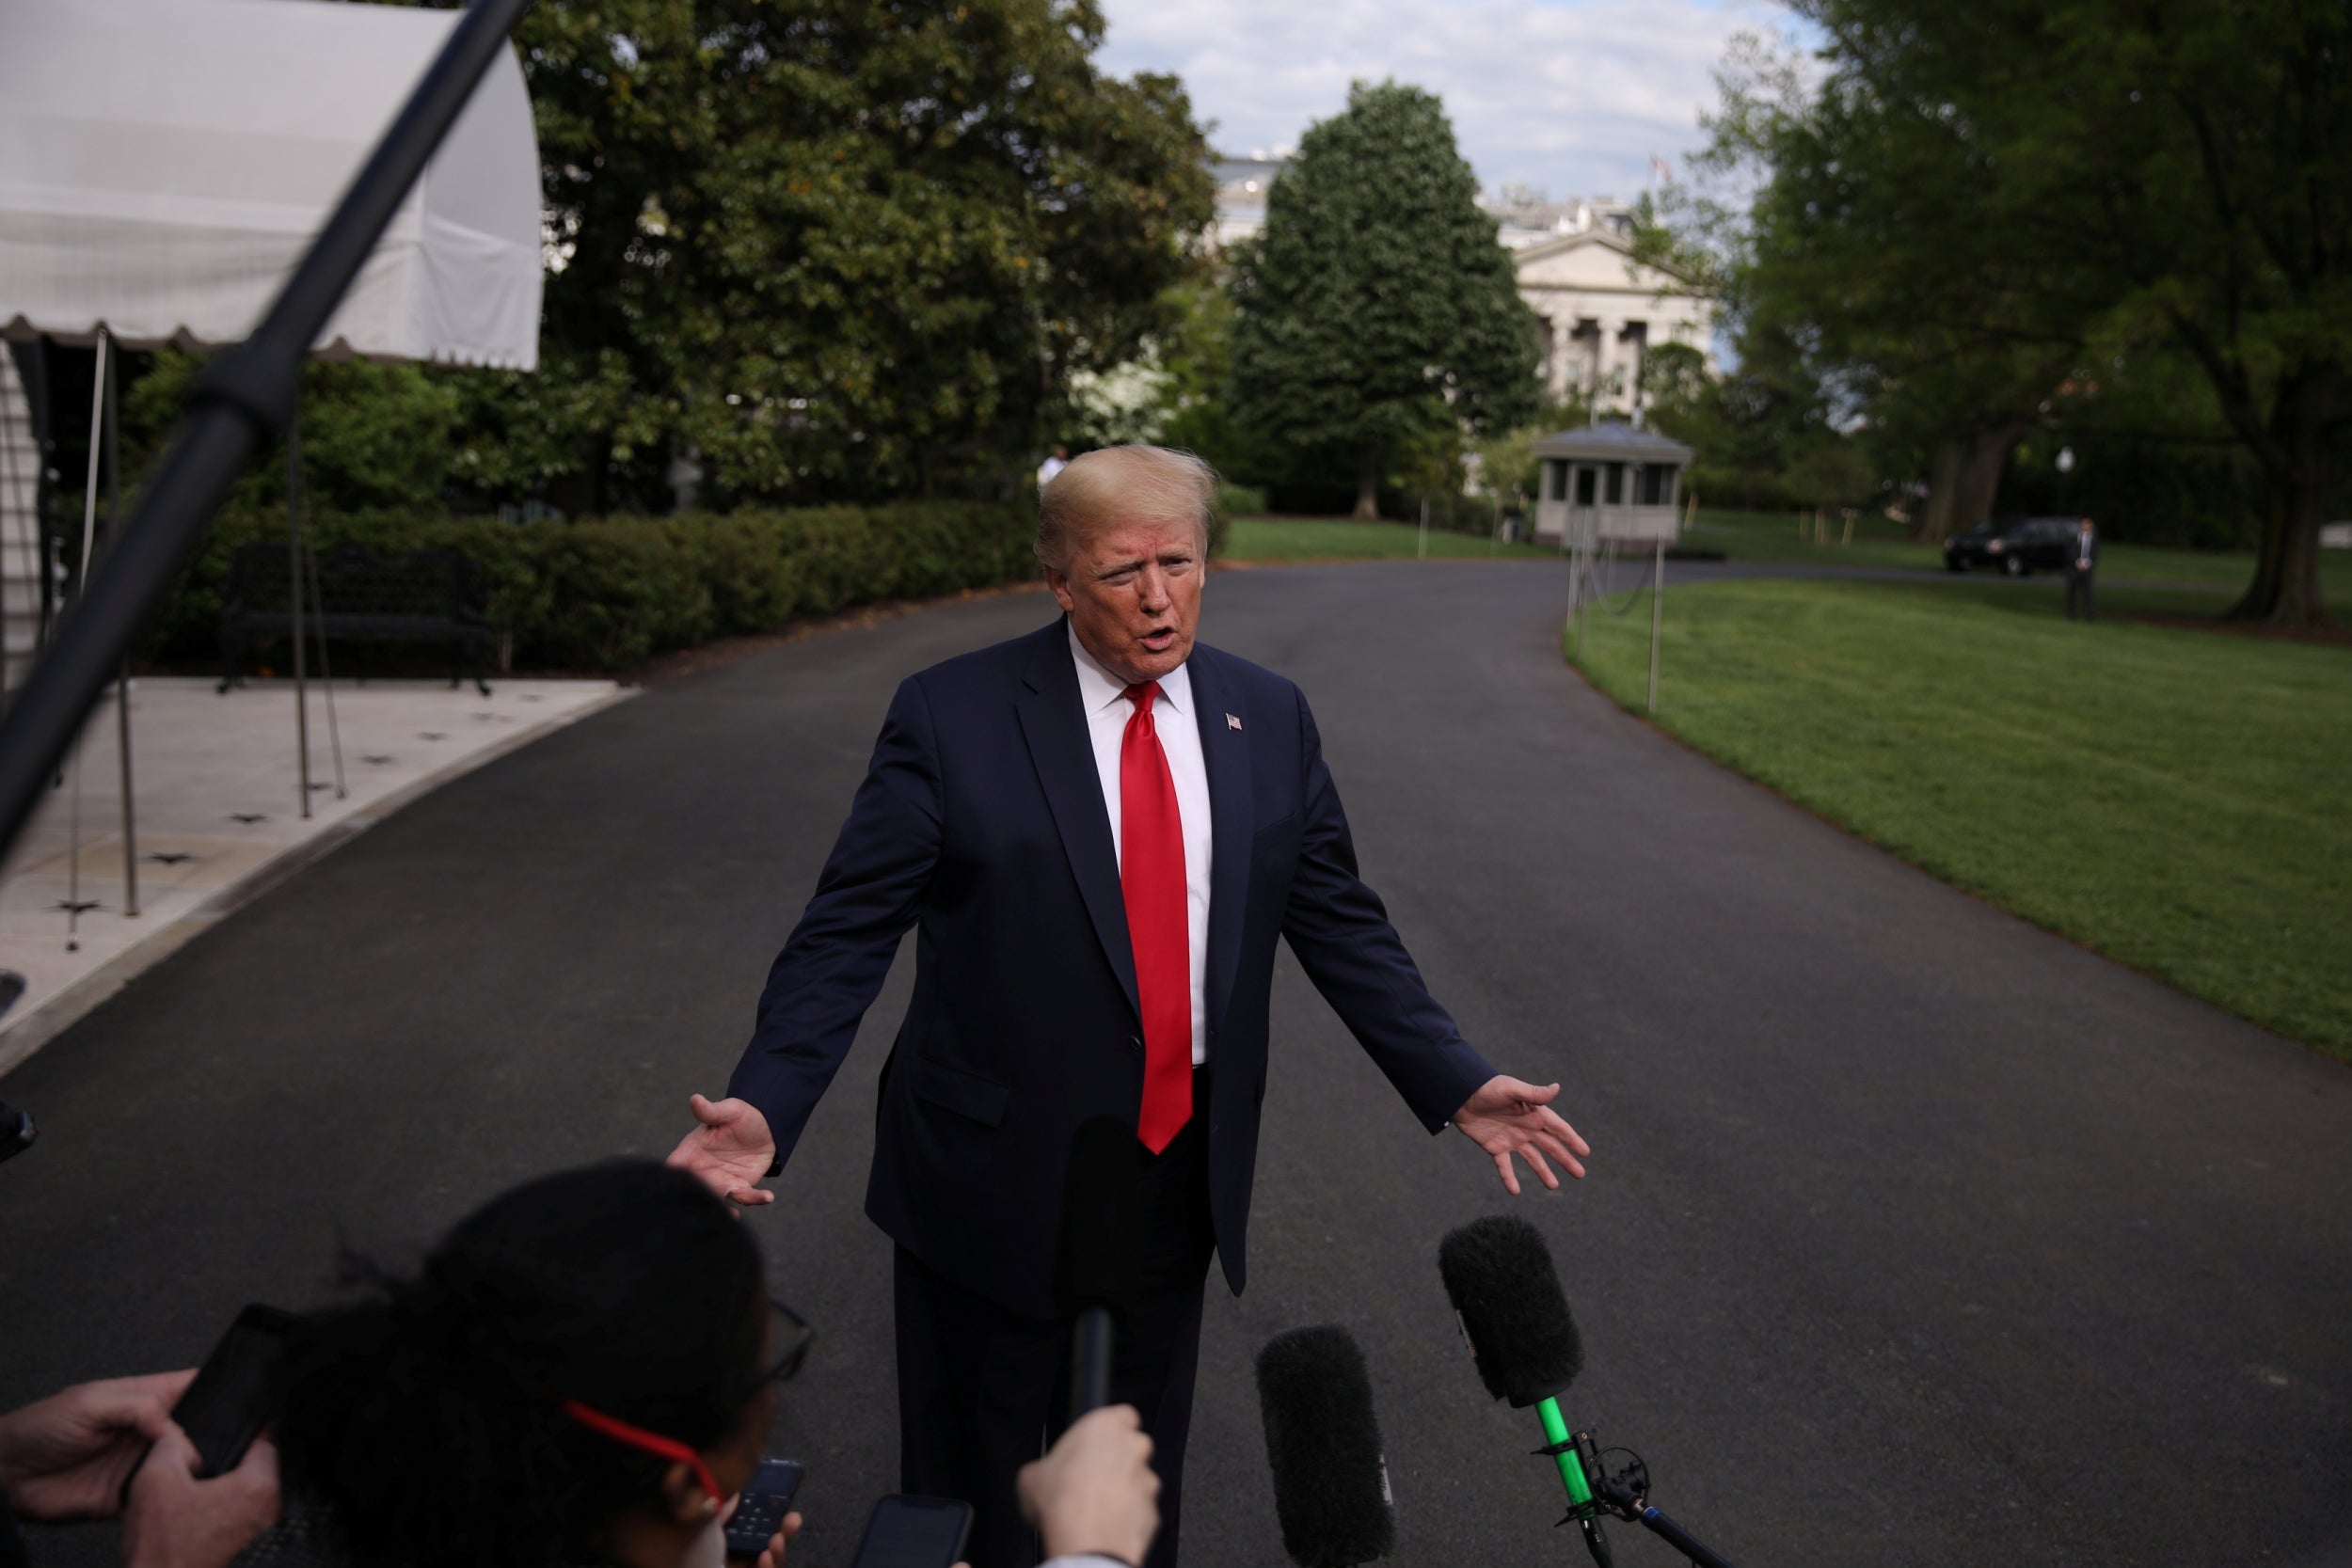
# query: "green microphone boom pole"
1507 1298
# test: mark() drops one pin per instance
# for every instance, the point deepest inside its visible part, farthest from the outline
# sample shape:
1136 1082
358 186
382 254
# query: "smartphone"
914 1532
236 1393
759 1512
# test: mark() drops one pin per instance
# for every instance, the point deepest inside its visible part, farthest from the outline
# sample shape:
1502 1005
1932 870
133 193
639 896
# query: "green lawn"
1755 536
1780 536
2179 800
1271 539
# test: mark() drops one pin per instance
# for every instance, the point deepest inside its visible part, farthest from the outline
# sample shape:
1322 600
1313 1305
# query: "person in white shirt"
1051 466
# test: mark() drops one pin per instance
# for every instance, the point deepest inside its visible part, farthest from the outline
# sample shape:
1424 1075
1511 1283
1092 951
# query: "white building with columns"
1599 310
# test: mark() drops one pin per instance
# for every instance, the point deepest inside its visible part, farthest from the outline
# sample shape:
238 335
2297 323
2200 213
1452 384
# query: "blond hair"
1117 483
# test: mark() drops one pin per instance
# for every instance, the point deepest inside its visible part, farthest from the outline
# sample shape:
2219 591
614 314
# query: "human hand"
176 1521
1095 1491
1506 1117
65 1458
729 1148
771 1555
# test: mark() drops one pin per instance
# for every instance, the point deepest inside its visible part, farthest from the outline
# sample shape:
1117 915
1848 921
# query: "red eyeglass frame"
651 1442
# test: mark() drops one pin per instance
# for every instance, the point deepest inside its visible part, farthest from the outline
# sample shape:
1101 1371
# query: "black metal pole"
122 678
1681 1540
238 409
293 581
32 372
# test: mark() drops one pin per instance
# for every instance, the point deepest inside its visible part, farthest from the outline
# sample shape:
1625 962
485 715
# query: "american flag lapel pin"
1232 722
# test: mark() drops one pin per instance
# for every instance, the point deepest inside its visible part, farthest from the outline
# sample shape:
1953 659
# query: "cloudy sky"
1572 96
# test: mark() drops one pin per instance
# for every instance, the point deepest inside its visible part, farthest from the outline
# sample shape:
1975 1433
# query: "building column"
1606 362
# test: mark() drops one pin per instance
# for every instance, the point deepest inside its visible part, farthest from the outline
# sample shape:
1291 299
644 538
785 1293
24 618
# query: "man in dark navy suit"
1098 832
2082 561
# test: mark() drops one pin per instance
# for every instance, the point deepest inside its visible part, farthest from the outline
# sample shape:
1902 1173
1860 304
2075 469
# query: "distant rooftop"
1523 216
1613 441
1527 216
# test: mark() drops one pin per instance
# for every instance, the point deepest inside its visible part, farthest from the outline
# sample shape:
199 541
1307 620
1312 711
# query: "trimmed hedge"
610 593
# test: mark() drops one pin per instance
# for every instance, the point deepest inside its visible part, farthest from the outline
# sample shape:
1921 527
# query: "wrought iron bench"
433 595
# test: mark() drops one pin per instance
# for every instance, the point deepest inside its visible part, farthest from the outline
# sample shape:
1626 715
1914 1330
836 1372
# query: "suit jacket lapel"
1054 727
1225 753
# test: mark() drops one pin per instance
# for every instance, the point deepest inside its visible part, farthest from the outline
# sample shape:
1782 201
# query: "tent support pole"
81 582
327 669
122 682
294 576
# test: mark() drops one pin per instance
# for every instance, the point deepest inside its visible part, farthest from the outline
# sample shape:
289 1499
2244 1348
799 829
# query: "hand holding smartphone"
914 1532
759 1512
235 1394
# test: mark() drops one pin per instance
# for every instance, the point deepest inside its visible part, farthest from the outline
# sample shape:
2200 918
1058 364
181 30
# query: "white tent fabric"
165 163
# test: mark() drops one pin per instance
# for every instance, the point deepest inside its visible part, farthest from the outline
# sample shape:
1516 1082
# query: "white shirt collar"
1098 687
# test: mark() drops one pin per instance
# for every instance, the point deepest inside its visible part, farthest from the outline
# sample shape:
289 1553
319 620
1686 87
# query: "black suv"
2015 544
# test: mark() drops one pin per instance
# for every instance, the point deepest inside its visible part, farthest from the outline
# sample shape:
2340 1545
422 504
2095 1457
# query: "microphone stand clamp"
1626 1494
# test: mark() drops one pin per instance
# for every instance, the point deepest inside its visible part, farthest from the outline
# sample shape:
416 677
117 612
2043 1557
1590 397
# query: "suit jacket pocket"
957 1089
1286 823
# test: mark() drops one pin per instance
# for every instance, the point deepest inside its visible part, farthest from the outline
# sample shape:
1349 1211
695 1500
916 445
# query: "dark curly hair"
426 1421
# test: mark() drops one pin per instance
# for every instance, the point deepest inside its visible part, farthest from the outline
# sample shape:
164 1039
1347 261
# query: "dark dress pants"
2078 586
982 1390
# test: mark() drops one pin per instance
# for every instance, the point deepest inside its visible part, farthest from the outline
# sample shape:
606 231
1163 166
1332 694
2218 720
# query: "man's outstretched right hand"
730 1149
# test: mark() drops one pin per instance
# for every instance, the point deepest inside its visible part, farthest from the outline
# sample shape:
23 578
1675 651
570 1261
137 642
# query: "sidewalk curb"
22 1035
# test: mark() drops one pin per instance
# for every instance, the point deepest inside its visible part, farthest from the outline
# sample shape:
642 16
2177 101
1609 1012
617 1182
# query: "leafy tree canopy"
1376 305
824 245
1975 218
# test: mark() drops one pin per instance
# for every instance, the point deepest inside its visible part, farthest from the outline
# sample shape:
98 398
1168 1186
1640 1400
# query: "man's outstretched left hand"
1506 1117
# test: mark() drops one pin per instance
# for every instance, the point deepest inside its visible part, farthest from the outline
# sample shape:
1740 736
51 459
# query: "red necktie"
1151 878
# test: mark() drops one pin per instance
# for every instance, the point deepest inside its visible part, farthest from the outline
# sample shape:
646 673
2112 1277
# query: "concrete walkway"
216 780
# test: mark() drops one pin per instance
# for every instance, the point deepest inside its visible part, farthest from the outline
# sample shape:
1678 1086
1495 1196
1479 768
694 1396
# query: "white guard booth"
164 163
1610 483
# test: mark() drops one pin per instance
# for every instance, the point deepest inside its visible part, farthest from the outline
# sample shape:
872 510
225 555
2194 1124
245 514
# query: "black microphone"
1507 1298
1330 1483
1499 1276
1098 1259
1506 1295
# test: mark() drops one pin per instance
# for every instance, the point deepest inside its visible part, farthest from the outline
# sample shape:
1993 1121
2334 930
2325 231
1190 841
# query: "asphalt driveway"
1913 1235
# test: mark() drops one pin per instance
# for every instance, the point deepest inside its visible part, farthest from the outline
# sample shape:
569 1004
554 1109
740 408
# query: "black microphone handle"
1679 1538
1091 1362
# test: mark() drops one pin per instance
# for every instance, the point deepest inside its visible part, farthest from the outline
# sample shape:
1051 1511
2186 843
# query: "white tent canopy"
165 163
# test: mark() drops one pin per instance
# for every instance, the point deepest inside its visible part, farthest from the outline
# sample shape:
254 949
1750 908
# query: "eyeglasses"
793 1332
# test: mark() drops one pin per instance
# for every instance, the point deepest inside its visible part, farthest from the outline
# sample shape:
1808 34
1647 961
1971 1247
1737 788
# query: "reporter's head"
578 1373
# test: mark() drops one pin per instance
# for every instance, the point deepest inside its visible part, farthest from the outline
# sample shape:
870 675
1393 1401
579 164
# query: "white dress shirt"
1103 696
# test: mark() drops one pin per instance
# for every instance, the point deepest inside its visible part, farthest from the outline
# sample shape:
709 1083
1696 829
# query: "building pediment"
1594 260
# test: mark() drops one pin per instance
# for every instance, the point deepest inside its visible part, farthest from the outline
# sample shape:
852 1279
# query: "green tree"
823 245
1377 308
374 438
2020 208
2207 173
1765 430
1863 261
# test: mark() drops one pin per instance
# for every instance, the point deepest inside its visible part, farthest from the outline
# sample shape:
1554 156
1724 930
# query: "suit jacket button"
1136 1041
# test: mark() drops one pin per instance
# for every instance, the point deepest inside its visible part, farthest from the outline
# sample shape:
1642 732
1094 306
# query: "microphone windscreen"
1330 1483
1099 1263
1499 1278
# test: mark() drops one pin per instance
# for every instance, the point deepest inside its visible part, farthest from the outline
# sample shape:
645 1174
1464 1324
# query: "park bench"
433 595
